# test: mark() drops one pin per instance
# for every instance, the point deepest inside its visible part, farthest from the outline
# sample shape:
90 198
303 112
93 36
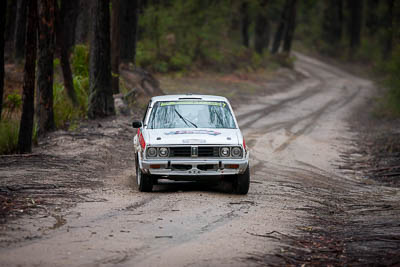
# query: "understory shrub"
8 136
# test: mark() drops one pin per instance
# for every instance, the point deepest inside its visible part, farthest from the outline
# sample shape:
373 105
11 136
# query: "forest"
61 61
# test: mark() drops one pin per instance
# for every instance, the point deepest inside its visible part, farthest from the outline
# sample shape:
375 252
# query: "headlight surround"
224 152
163 152
236 152
151 152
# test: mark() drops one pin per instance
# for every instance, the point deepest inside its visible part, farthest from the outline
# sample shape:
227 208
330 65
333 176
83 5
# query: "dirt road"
296 138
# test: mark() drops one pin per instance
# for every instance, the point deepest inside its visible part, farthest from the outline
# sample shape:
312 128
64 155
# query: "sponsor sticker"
209 103
208 132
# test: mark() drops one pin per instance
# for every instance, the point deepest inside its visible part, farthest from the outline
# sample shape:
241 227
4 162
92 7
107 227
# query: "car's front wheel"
144 181
241 182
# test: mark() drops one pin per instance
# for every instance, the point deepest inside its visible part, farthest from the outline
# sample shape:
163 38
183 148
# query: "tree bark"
245 22
46 23
3 13
11 18
332 23
20 30
101 102
69 11
355 7
26 124
62 29
129 14
115 43
261 29
388 43
82 23
372 21
289 33
281 28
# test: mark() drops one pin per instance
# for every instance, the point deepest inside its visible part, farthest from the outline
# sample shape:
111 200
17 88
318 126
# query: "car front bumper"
192 168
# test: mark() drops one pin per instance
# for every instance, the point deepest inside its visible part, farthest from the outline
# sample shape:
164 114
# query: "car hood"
194 136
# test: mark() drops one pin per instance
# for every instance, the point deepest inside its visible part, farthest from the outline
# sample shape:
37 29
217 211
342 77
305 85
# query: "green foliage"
80 60
12 104
390 102
9 136
187 34
56 63
65 114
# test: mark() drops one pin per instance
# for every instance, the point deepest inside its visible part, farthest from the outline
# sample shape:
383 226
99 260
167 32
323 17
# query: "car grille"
208 151
186 151
180 152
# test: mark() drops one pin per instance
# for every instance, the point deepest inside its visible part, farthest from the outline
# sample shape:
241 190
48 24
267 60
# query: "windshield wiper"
185 120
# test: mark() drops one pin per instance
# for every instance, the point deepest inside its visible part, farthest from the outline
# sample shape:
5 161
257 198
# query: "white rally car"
190 138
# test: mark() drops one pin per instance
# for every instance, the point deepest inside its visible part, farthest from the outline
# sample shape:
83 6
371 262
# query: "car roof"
188 97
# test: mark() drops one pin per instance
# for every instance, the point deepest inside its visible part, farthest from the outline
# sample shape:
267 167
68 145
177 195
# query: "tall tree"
20 30
389 30
279 34
83 21
64 43
332 22
355 23
69 11
10 24
245 22
101 102
115 43
129 14
3 12
28 89
291 25
372 21
46 28
261 30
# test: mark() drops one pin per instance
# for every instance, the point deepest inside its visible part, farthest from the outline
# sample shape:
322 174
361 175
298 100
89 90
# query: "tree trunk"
281 28
355 7
45 66
287 42
20 30
11 18
261 29
69 11
372 21
62 29
129 14
245 22
82 23
101 102
115 46
388 44
332 23
26 124
3 12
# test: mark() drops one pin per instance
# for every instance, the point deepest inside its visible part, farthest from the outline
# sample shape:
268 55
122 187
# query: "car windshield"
191 114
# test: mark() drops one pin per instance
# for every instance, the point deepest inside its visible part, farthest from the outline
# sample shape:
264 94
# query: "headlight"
236 152
224 152
163 152
152 152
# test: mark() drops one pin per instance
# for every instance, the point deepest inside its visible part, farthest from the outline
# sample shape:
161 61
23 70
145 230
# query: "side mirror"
136 124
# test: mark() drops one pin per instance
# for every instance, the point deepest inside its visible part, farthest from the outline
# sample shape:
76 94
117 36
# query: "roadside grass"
8 136
66 115
389 102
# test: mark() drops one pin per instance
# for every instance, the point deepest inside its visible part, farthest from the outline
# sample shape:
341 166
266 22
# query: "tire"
241 182
144 181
